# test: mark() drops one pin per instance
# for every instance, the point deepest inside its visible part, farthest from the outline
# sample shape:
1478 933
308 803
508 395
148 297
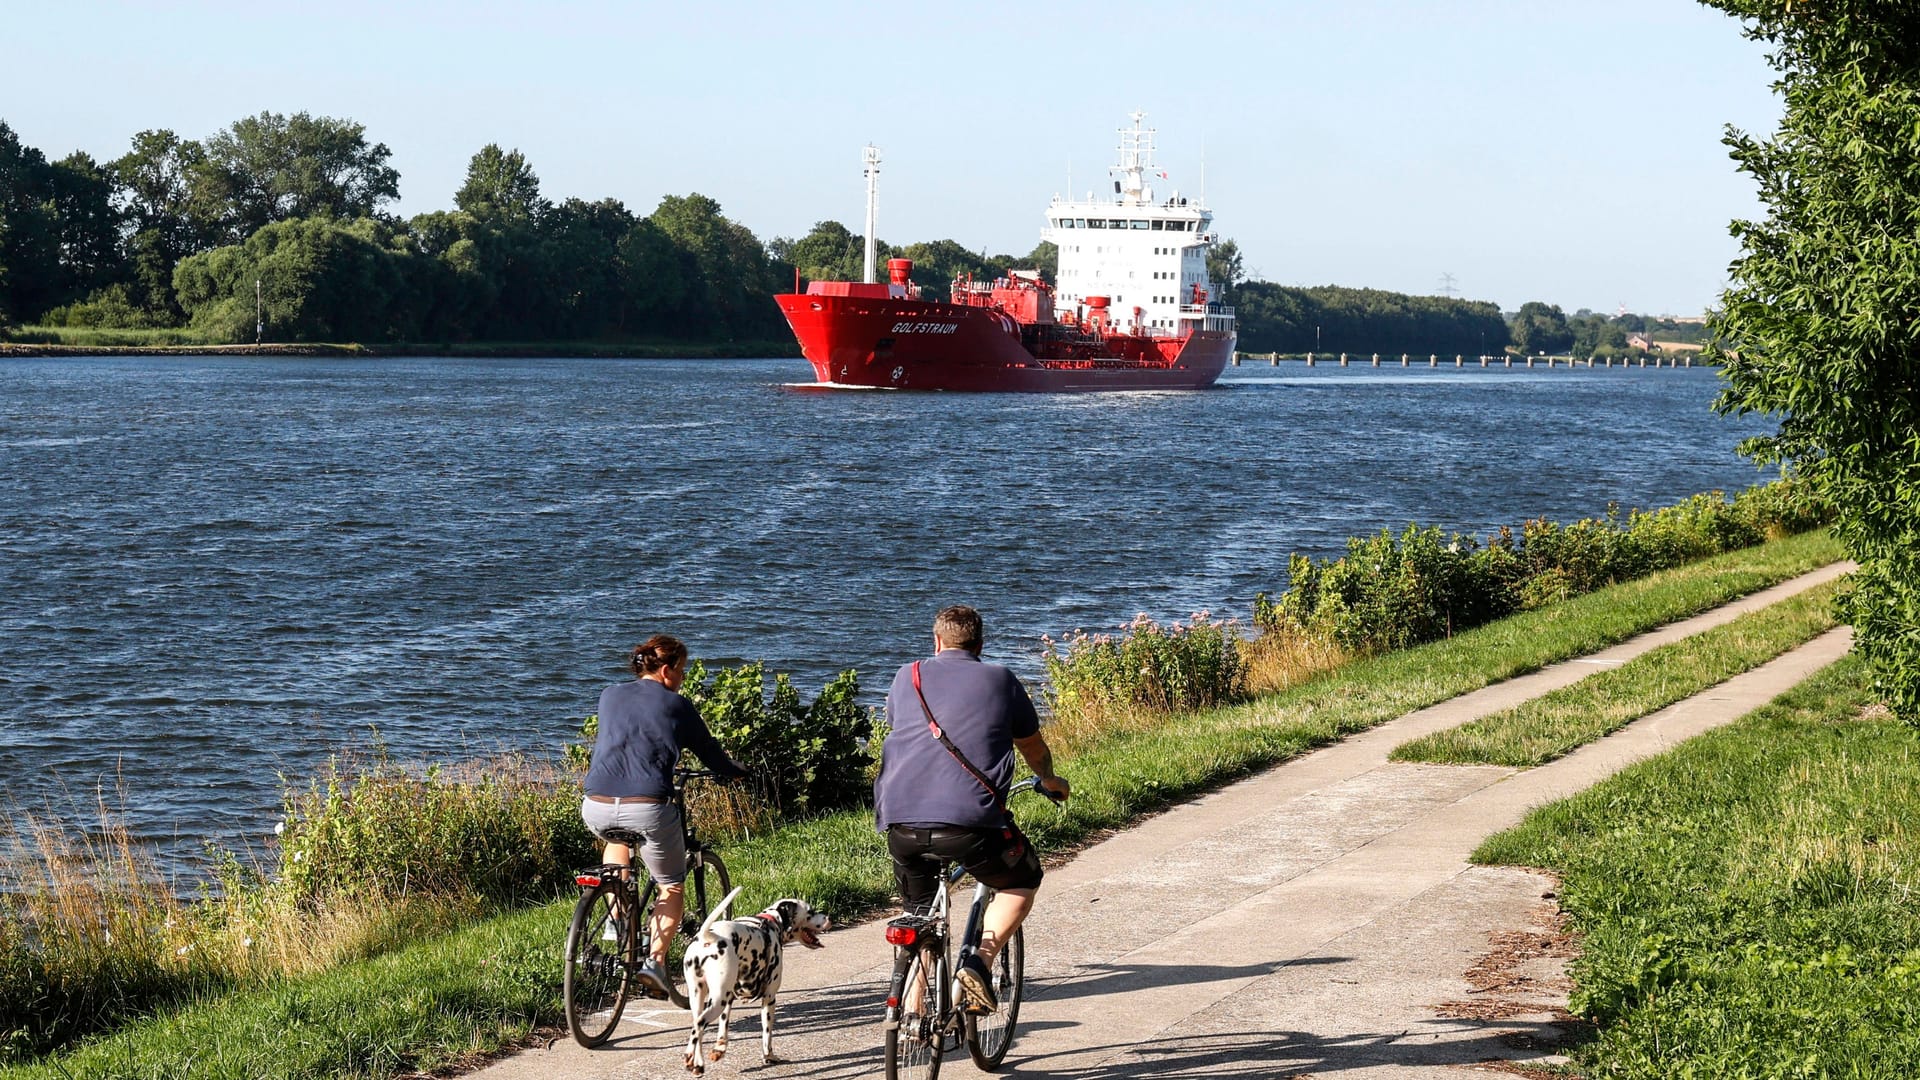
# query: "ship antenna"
872 159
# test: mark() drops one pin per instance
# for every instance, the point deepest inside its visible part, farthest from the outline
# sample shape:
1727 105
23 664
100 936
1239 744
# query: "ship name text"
925 328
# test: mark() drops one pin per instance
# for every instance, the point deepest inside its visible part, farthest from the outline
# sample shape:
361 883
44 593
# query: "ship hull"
904 344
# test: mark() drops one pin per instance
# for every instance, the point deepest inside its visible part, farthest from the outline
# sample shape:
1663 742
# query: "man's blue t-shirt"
982 708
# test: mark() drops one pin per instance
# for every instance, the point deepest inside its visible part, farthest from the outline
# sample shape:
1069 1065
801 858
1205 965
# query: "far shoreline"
745 350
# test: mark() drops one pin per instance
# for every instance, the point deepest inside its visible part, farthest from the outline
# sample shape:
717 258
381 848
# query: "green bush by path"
1746 900
435 1001
1389 593
1537 731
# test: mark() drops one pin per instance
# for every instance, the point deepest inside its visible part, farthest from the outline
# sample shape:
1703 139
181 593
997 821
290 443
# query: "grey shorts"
664 850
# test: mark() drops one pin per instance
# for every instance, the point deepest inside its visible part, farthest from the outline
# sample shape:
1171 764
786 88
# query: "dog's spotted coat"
741 960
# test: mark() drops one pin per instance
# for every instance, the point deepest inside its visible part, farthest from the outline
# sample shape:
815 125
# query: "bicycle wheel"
601 949
914 1046
989 1036
706 884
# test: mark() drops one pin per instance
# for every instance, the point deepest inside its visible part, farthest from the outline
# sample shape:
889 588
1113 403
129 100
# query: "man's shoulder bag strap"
933 726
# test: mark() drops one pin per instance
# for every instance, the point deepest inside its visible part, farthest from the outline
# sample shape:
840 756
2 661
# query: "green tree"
87 225
1821 325
1541 328
583 260
155 184
1045 257
656 277
321 280
733 279
269 168
500 185
828 253
1224 267
29 231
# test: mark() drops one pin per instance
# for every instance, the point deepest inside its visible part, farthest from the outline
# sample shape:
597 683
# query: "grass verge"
1537 731
437 1003
1747 899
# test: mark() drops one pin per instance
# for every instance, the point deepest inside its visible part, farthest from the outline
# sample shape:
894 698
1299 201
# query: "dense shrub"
1147 667
1390 592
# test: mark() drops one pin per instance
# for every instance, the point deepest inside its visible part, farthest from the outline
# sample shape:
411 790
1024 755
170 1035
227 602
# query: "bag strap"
933 726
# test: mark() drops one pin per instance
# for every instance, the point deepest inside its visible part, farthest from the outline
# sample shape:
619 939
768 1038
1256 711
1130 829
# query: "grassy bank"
1547 727
1746 901
437 1002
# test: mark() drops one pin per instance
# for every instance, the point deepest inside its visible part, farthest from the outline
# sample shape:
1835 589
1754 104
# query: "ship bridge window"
1115 223
1137 225
1096 223
1158 225
1079 223
1065 223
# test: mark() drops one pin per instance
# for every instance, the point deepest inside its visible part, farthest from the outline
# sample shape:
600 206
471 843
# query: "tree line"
287 216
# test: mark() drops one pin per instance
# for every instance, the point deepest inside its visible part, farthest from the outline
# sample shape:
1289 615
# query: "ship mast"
873 177
1136 161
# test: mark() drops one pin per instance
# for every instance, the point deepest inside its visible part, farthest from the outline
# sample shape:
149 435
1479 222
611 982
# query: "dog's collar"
774 919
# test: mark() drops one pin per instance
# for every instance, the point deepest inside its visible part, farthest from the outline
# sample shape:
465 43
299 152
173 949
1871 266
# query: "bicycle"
916 1039
612 928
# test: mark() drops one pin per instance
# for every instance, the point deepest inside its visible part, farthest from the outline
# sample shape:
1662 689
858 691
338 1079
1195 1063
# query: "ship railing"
1199 311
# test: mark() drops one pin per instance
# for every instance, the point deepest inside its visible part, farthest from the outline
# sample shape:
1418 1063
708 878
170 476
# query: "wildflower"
279 827
183 950
246 943
297 854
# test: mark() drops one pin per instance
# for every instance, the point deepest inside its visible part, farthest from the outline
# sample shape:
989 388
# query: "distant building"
1640 341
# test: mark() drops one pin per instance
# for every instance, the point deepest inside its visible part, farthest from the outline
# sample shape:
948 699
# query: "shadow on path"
1275 1055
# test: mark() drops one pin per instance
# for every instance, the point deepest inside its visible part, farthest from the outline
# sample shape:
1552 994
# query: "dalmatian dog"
740 959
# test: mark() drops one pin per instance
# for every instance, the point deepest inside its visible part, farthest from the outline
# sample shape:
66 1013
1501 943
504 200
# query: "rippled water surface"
215 572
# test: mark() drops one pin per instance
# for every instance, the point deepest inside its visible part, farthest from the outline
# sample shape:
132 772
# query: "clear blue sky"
1534 149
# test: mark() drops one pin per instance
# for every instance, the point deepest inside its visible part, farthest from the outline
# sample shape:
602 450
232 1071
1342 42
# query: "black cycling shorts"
991 856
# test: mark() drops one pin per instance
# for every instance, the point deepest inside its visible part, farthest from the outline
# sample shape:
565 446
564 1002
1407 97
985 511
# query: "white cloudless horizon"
1509 150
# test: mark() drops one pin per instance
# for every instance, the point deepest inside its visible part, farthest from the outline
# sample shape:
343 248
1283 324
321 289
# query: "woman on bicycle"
644 725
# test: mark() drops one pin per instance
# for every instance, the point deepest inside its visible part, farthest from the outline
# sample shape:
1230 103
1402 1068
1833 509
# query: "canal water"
215 572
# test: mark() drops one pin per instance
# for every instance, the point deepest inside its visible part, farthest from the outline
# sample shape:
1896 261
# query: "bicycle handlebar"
1032 783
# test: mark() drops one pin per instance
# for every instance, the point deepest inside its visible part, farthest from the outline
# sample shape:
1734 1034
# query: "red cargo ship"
1133 269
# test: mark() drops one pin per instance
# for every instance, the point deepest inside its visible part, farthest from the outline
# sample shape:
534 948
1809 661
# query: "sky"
1502 150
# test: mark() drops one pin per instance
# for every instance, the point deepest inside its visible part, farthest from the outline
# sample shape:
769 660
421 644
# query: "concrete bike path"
1317 919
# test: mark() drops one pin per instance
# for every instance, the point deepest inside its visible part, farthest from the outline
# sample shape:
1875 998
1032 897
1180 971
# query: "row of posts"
1433 360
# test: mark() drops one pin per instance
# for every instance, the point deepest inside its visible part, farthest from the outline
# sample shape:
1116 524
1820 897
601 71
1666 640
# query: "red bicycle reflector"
589 880
893 1003
902 935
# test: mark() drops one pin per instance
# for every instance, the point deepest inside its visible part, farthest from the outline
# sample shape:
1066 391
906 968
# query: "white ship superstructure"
1148 257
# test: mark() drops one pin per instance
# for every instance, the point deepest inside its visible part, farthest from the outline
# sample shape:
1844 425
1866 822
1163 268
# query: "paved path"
1319 919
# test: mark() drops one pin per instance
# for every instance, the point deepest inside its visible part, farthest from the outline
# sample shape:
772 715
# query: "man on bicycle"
937 803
